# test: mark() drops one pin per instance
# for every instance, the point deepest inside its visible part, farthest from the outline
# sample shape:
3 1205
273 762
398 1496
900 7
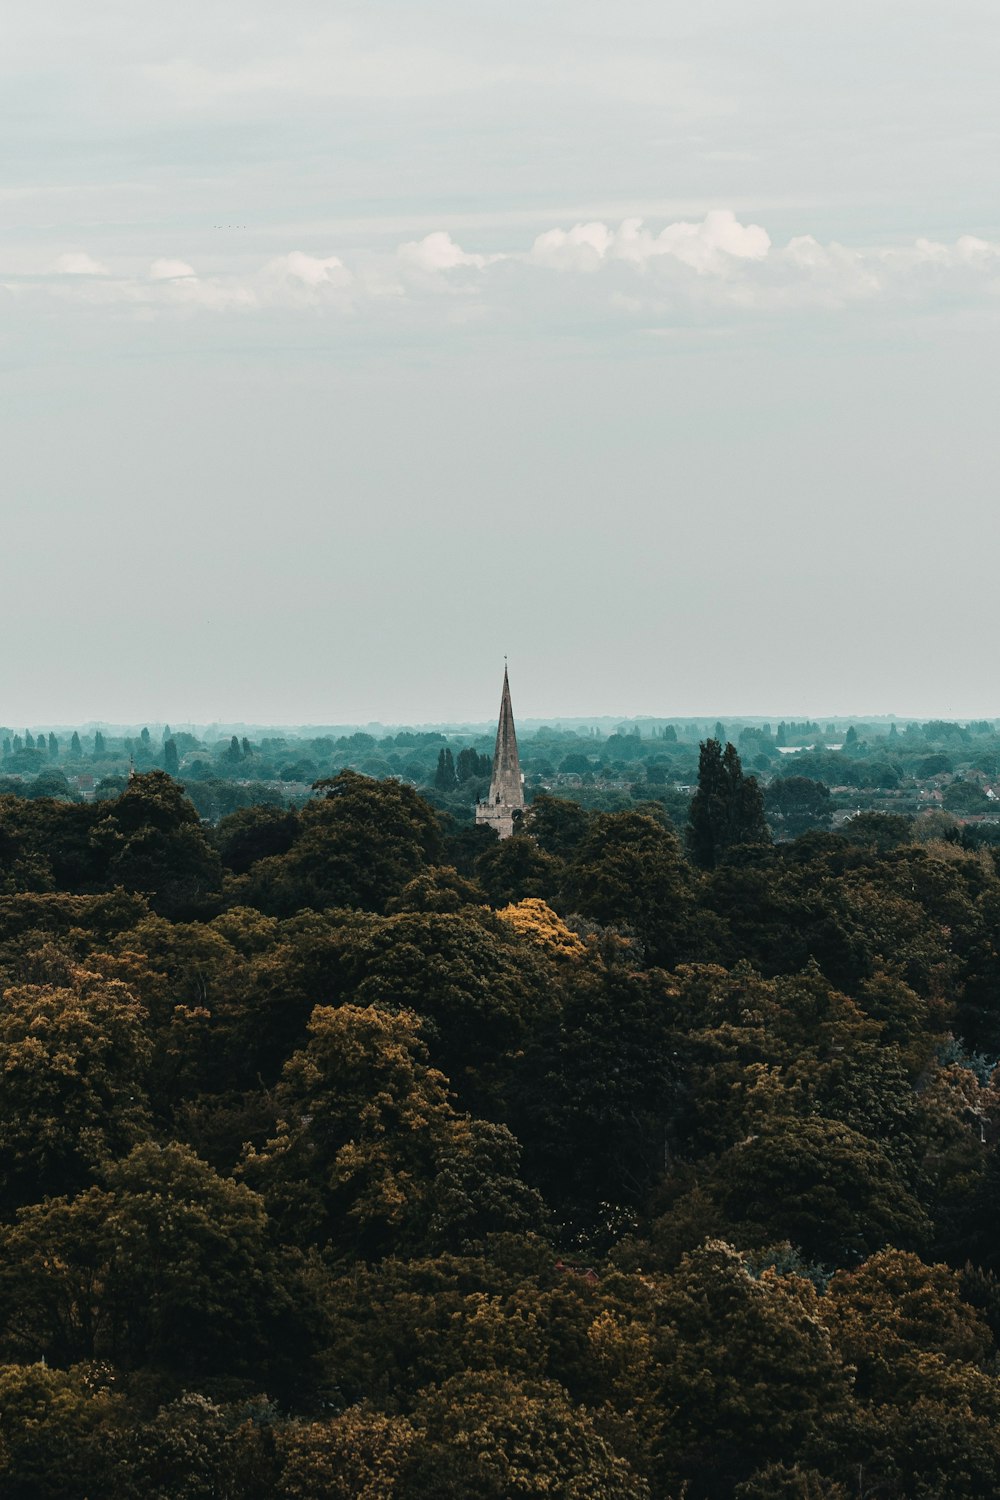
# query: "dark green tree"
254 833
360 844
444 777
726 810
369 1154
53 747
171 760
75 747
158 846
511 869
471 764
73 1060
965 797
167 1264
54 1427
796 804
628 872
557 826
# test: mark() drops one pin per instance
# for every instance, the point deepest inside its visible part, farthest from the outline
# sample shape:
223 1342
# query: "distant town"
945 773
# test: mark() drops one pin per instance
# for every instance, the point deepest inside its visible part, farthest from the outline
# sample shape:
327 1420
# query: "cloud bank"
714 268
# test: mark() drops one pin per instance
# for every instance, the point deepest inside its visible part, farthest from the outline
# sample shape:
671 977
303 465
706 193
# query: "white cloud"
78 263
710 247
581 248
312 270
170 270
439 252
968 250
694 272
806 271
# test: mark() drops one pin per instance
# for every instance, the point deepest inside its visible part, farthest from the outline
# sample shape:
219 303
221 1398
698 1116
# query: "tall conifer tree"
726 810
444 777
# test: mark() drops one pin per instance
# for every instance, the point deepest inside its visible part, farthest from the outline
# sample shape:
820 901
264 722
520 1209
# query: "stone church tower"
505 803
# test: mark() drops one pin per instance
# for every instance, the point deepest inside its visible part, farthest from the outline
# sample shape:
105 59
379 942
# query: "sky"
344 351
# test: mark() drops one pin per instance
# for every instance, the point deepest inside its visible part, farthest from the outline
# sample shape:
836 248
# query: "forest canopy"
650 1153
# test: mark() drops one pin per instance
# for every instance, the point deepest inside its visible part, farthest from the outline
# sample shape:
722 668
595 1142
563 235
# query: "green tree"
167 1265
157 846
179 1453
726 810
75 747
928 1403
965 797
444 777
731 1370
628 872
360 1454
557 826
439 889
797 804
54 1427
472 766
73 1061
492 1436
360 843
595 1100
789 1482
51 783
516 868
823 1186
480 990
254 833
369 1153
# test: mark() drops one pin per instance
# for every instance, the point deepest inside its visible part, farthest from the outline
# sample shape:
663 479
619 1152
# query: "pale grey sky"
674 329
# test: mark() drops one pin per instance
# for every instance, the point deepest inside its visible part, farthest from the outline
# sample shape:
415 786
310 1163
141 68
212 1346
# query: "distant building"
505 803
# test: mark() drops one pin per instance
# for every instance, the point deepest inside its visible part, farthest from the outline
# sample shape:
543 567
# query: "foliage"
73 1060
346 1150
726 810
359 845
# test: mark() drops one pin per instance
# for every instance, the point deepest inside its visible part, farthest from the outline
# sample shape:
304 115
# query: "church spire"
506 796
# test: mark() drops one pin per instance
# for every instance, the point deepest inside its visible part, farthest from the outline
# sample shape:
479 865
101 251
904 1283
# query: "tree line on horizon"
809 776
